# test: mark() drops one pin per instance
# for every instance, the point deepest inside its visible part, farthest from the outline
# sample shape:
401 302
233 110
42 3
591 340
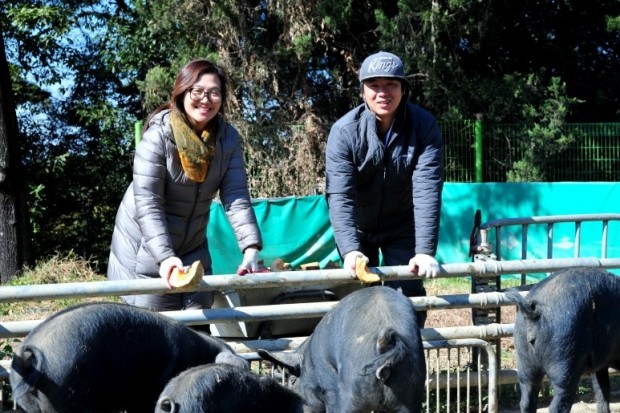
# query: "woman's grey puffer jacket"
163 213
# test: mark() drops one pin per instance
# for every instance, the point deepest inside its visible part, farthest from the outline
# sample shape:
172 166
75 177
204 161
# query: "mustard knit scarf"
196 153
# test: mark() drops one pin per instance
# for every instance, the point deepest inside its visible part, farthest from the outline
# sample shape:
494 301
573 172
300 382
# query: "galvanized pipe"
487 377
485 332
287 311
319 309
488 268
550 218
277 312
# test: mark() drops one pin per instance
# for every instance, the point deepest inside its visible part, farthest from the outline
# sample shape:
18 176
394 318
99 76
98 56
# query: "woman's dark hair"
187 77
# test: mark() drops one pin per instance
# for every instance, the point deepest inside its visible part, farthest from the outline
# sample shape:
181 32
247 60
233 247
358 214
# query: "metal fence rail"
488 252
440 383
288 279
549 221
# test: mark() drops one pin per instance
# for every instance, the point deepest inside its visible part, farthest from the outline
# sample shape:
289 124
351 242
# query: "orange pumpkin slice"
363 273
191 277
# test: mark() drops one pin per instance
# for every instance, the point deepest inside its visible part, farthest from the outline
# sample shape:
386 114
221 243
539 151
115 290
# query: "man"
384 170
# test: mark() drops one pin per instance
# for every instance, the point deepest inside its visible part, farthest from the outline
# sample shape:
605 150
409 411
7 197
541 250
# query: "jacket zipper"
191 215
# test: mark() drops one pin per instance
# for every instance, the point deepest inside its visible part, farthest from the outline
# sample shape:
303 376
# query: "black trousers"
395 249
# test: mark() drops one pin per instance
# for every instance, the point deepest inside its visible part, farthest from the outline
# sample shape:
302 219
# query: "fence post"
478 145
138 132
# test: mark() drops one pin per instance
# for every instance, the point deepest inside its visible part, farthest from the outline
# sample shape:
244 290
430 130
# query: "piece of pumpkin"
191 277
363 273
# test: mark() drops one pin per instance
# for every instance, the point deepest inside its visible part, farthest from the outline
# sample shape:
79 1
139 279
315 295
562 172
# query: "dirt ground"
586 405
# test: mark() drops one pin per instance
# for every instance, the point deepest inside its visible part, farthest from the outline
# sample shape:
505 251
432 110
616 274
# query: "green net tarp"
297 229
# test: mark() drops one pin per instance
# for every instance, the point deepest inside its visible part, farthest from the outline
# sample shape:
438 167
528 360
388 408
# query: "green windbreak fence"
297 229
593 155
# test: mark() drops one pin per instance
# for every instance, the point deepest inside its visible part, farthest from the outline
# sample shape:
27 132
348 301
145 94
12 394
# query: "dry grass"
56 270
463 316
456 317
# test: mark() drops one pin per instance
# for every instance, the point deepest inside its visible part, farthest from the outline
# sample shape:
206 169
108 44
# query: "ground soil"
583 404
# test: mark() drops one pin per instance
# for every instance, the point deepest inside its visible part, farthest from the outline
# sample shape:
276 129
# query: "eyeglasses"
198 93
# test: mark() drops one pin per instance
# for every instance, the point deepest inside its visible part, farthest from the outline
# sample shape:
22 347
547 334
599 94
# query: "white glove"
166 267
424 265
249 263
350 261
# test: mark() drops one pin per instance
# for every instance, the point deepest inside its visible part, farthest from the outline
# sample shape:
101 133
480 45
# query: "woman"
188 154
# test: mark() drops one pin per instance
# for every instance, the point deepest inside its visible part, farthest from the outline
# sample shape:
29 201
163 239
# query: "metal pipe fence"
439 384
288 279
455 379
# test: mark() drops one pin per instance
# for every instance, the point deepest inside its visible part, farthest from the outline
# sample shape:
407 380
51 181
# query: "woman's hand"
166 267
249 264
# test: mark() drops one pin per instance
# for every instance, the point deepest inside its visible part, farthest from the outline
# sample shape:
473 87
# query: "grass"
56 270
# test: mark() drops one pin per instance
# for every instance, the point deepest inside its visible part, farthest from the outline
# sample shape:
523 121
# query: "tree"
76 122
86 70
523 63
14 226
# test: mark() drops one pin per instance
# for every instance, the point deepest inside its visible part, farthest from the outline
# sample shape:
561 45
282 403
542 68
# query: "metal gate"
455 380
482 250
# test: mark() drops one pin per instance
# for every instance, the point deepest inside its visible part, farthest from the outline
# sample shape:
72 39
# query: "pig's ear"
289 360
226 357
25 371
166 405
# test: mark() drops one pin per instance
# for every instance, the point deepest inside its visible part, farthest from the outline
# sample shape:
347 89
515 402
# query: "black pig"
365 355
214 388
567 326
107 357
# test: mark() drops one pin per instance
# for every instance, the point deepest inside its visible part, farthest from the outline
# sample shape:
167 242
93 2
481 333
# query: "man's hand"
424 265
